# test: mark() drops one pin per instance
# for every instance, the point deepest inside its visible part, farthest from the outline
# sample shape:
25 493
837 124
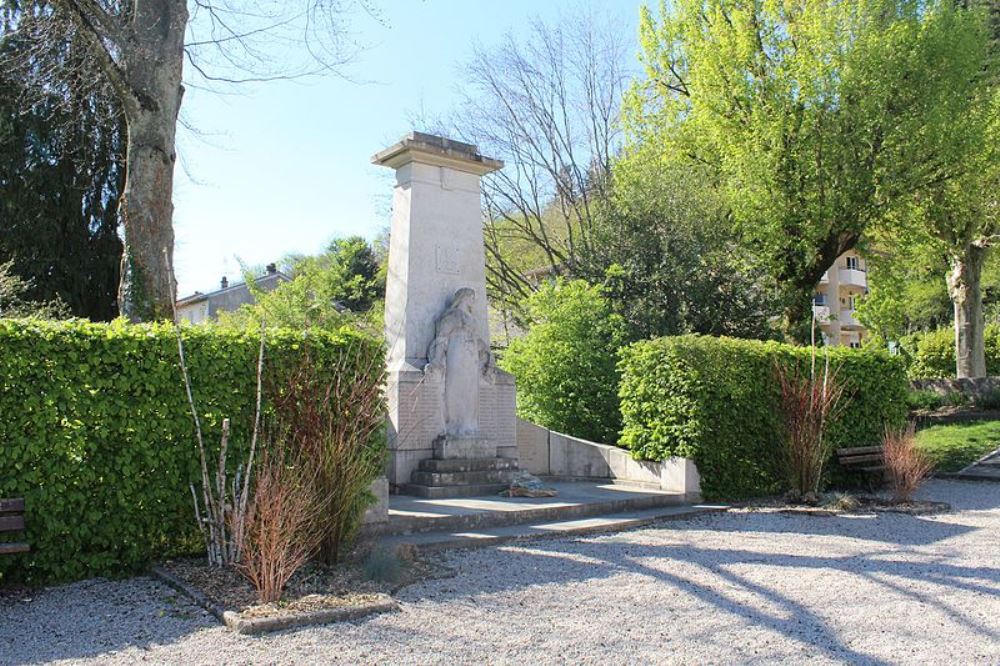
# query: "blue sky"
284 166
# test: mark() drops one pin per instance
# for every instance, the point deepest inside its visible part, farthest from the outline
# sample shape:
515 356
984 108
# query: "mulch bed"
316 593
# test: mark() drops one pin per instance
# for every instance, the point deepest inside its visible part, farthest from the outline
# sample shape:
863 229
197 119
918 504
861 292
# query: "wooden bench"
12 520
866 459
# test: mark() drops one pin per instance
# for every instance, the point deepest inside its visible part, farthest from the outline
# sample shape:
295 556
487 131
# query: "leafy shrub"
956 399
565 366
96 434
931 354
923 399
715 400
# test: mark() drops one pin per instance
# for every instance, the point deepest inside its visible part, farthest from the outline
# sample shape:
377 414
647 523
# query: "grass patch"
953 447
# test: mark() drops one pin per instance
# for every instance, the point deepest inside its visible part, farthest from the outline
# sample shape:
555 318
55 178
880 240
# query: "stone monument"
452 425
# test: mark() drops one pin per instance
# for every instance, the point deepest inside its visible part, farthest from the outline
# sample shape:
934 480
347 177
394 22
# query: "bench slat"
15 547
11 505
856 460
11 523
859 450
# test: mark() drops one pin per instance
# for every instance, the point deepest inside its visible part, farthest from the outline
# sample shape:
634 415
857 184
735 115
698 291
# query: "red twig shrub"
336 423
906 466
809 403
278 533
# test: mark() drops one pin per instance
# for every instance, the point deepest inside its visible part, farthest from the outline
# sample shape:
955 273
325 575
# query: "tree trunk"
964 290
155 67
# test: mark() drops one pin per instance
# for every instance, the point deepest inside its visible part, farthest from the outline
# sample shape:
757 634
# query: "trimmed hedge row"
97 436
931 354
716 400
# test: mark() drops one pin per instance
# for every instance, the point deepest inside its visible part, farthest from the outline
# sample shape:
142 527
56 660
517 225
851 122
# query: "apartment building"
839 290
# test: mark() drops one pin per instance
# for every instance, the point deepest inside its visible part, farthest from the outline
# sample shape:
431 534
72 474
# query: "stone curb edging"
258 625
965 476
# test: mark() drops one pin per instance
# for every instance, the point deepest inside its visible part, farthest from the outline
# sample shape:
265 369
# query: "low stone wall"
978 388
548 453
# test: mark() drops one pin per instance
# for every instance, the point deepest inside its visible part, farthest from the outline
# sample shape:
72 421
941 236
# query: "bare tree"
548 106
138 48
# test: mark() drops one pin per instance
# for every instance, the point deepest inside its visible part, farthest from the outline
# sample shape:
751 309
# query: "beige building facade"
837 295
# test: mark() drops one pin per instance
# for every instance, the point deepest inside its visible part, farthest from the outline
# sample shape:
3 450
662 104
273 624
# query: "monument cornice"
436 151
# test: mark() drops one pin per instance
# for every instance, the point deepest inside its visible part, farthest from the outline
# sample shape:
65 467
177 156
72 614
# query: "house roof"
266 279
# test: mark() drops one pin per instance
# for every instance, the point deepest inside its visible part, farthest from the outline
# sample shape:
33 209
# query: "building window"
819 299
855 345
853 263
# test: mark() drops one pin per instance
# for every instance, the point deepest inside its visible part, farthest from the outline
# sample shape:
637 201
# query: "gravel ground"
736 587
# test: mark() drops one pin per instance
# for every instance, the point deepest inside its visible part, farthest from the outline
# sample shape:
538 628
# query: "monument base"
447 447
462 467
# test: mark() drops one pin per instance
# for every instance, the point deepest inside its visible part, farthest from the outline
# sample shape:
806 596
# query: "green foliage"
565 365
931 355
716 400
61 166
15 303
664 247
327 291
954 447
96 434
923 399
813 120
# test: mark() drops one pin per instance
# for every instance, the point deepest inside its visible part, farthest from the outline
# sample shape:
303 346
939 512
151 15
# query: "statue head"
463 299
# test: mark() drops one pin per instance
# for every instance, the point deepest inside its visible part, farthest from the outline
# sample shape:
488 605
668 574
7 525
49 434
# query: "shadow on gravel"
717 583
94 618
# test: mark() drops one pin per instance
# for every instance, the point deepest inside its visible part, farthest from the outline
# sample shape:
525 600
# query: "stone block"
378 512
448 447
533 447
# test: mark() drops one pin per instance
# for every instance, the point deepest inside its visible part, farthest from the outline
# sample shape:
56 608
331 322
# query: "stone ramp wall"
548 453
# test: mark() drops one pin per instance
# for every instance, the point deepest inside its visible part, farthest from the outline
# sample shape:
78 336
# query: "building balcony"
850 277
848 320
822 314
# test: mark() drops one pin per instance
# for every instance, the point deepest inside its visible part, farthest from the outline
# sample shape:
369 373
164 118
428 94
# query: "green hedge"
716 400
931 354
96 434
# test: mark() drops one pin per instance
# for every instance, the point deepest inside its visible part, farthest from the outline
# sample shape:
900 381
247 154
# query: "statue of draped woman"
462 359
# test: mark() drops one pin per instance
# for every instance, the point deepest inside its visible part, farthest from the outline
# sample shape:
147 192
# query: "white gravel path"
728 588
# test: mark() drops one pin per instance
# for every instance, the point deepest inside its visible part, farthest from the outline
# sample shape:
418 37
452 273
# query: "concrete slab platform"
413 545
575 500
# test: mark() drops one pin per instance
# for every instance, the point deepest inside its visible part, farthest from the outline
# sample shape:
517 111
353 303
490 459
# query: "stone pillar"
435 250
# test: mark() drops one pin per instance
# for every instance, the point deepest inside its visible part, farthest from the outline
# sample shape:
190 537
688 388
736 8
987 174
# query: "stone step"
409 515
447 492
503 476
414 545
467 464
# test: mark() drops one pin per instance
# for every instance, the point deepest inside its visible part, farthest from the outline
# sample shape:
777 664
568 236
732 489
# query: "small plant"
956 399
923 399
843 502
906 466
382 566
809 402
278 534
